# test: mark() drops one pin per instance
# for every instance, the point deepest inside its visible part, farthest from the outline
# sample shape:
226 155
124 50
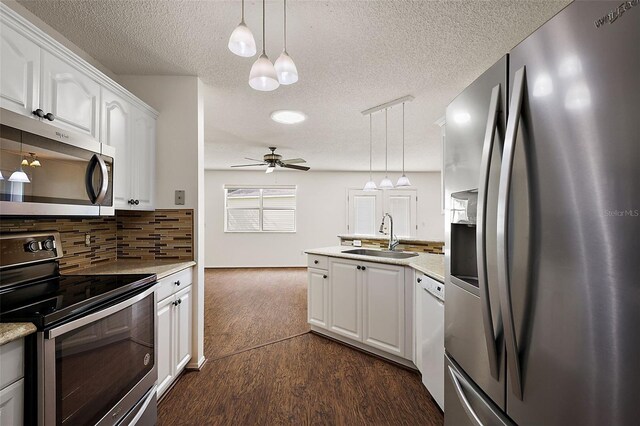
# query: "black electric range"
33 290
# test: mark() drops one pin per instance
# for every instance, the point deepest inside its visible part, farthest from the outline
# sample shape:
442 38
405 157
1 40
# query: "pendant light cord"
242 11
370 148
403 139
263 21
386 141
285 25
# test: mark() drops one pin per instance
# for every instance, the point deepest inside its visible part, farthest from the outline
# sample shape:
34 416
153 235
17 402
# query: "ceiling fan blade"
253 159
249 165
294 161
292 166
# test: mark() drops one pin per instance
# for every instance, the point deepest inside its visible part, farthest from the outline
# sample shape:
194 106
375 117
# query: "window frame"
261 208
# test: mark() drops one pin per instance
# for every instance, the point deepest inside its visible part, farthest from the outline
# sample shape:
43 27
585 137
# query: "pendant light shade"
403 181
386 182
285 67
263 75
1 176
241 41
19 176
371 185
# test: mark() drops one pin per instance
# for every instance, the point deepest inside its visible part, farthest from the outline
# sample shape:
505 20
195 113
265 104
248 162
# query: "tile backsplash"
161 234
433 247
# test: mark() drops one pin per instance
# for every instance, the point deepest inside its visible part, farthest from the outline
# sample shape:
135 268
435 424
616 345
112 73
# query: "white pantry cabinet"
19 72
174 325
365 302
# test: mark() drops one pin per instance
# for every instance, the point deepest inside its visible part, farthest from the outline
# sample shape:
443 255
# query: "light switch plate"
179 197
357 243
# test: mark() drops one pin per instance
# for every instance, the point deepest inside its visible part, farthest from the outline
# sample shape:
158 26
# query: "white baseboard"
193 365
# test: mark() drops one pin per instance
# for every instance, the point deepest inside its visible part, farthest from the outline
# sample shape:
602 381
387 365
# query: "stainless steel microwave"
48 171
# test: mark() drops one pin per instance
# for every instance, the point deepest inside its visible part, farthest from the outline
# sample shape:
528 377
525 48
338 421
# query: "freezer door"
572 270
466 404
468 315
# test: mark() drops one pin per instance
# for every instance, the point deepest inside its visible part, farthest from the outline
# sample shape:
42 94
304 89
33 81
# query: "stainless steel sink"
381 253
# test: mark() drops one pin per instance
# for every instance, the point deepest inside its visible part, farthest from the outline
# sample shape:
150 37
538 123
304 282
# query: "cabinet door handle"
315 262
419 280
364 267
177 282
136 202
131 201
359 267
324 276
39 113
179 301
175 303
49 116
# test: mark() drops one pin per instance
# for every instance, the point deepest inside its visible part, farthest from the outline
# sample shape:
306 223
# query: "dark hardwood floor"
302 380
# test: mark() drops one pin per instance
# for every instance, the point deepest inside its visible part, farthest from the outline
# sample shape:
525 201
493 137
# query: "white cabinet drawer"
174 282
11 362
317 262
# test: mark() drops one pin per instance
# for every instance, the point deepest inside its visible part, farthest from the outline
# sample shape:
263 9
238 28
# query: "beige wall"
321 215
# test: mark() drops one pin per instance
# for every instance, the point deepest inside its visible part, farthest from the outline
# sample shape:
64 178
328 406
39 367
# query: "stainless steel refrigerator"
542 197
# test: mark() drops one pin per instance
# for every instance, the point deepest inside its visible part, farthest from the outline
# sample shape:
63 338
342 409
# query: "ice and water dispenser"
464 265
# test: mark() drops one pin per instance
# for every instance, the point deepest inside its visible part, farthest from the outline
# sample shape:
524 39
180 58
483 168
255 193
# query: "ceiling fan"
272 160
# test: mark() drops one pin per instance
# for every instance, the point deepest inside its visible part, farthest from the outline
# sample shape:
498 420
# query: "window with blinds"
260 209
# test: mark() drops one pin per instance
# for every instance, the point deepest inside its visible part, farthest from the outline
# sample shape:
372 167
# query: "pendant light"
1 176
241 41
386 182
371 185
263 75
285 68
19 175
403 181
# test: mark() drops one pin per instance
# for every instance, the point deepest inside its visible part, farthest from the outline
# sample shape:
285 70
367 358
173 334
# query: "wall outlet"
87 239
179 197
357 243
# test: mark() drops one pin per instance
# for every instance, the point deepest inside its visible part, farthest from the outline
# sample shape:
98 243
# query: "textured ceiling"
351 55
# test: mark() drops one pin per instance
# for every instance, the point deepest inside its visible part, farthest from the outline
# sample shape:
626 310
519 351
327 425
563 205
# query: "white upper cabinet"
143 160
19 72
116 131
70 95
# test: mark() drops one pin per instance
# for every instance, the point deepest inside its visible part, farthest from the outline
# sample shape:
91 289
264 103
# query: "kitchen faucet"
393 240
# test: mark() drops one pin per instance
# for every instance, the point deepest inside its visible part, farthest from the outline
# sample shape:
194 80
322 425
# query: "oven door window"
42 170
97 364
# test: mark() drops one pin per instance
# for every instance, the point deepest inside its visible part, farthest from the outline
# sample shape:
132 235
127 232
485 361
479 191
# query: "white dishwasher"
430 335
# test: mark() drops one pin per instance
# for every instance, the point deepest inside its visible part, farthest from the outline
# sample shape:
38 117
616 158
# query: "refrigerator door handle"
481 241
463 398
504 286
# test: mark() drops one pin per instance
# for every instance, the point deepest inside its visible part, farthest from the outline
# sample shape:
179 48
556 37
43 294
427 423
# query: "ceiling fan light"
286 69
242 42
370 186
386 183
403 181
270 169
35 163
263 75
19 176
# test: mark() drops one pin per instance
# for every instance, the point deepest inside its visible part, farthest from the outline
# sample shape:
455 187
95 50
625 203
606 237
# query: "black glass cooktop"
55 300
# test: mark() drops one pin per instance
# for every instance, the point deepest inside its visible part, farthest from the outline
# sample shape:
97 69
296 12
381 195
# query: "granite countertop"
162 268
427 263
403 240
11 331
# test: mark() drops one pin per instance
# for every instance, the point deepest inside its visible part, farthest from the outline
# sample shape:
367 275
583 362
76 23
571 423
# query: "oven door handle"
97 316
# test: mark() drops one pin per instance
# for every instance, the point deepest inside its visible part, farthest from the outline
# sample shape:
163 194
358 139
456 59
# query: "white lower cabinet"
174 326
345 298
383 307
12 383
366 302
317 295
12 403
